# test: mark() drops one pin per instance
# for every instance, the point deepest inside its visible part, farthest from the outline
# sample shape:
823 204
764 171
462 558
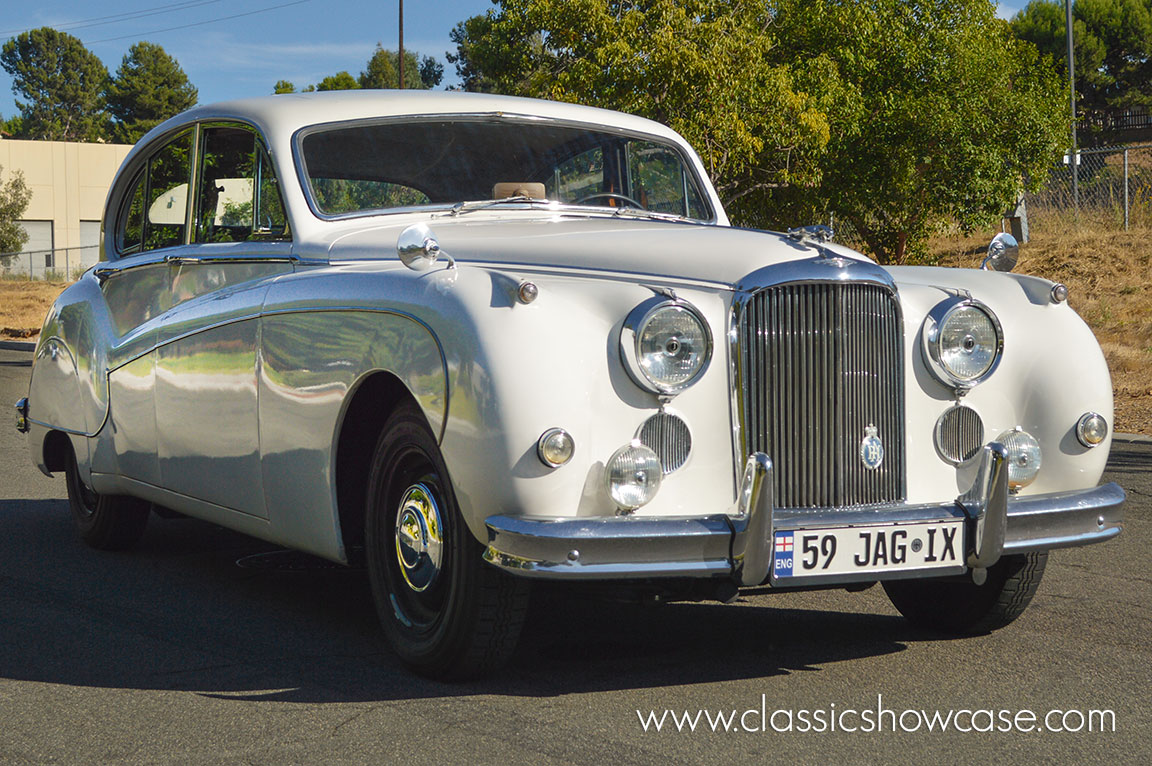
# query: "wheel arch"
55 450
370 403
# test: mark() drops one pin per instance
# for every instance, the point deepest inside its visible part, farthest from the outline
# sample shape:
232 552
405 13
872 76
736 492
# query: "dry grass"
23 304
1107 274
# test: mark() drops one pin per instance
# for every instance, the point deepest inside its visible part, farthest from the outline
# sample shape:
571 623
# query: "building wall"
69 183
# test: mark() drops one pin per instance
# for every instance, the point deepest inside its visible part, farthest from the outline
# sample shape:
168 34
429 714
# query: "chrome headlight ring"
960 332
665 345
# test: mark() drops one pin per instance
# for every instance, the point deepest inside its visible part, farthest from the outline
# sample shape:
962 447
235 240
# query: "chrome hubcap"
419 537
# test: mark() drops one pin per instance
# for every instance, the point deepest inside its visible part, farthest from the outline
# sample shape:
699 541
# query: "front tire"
961 608
444 611
104 522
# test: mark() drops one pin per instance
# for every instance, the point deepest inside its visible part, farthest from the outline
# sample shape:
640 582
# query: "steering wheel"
610 195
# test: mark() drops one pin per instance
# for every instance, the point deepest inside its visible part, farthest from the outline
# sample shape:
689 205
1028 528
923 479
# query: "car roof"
287 113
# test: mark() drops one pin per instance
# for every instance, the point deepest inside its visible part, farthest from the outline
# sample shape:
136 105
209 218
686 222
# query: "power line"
117 17
197 23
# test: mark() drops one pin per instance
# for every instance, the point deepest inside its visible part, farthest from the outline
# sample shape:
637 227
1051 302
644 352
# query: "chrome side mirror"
418 248
1003 252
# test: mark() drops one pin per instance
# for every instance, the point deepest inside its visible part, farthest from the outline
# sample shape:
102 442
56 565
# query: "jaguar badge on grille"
871 449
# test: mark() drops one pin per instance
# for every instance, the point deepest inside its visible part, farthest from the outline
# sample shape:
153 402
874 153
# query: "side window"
158 202
270 219
130 233
659 182
238 198
167 194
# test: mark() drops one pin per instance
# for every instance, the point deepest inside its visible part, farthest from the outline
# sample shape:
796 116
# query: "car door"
206 393
150 226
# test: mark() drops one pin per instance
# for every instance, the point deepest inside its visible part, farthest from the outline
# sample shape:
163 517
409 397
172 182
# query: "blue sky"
240 48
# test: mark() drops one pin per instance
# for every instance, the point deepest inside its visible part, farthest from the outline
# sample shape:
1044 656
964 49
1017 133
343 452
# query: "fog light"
633 475
555 447
1024 457
1091 429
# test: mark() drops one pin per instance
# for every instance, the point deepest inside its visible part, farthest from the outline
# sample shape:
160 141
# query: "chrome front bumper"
739 545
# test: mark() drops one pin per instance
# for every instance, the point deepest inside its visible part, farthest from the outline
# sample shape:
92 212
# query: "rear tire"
961 608
445 612
104 522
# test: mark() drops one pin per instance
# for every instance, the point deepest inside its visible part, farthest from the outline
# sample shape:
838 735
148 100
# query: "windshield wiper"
467 207
635 212
460 208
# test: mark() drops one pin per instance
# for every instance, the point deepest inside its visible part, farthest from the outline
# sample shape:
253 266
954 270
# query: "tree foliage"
338 81
894 115
61 83
148 88
1112 47
14 198
381 71
705 67
944 116
431 72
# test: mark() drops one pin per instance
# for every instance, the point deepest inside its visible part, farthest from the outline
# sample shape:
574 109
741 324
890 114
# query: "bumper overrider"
740 545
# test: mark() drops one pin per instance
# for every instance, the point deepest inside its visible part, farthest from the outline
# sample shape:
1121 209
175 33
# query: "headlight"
962 342
1024 457
665 345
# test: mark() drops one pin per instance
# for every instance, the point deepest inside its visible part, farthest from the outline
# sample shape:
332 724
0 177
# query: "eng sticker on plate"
865 549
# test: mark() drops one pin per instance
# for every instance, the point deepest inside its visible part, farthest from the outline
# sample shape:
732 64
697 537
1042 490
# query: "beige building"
69 183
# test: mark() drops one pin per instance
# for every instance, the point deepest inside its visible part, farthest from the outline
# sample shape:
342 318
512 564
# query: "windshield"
373 167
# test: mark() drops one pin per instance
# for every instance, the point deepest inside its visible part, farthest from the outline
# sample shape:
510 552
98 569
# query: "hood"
699 253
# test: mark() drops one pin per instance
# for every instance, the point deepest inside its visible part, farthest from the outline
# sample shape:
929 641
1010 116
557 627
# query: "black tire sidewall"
963 608
433 648
111 522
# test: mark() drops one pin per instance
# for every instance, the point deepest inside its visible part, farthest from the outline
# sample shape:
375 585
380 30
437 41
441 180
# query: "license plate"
865 549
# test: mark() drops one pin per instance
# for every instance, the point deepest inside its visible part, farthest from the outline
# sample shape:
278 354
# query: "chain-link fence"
60 265
1110 187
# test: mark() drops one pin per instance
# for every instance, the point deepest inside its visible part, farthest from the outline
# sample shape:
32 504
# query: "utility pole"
1074 156
400 58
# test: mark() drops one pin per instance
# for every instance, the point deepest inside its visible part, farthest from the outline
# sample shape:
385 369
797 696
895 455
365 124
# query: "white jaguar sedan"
474 341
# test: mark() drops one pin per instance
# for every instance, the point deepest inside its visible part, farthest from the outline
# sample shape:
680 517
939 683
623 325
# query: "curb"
1132 438
18 345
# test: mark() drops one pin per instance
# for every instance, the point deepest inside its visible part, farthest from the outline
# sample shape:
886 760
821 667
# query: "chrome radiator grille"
821 364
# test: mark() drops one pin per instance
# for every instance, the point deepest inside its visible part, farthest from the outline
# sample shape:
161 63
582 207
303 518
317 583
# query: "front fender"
517 370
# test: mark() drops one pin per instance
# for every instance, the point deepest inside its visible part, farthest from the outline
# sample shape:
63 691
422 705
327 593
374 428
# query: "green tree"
382 70
283 86
148 88
943 116
14 198
61 82
893 115
431 72
1112 42
13 126
705 67
473 60
338 81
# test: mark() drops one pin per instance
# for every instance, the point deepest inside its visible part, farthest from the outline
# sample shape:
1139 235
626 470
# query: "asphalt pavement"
174 653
